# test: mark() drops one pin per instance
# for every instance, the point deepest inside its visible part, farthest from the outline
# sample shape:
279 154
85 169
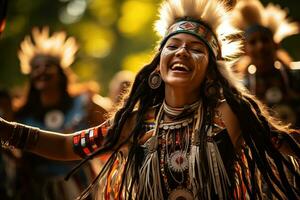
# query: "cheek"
166 54
164 58
201 60
248 47
201 63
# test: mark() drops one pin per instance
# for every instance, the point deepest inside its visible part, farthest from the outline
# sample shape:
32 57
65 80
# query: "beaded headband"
57 45
197 29
208 20
257 28
249 13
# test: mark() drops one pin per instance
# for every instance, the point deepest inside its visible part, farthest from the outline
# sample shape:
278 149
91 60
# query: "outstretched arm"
48 144
59 146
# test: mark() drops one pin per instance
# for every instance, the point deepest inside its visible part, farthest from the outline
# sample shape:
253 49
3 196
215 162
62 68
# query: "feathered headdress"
57 45
206 19
249 14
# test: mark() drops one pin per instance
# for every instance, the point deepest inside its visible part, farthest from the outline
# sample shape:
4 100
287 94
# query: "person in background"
6 107
50 105
266 67
186 124
7 164
8 158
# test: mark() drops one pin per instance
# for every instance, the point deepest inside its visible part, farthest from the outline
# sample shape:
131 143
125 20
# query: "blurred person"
185 125
8 158
6 107
7 161
266 67
50 105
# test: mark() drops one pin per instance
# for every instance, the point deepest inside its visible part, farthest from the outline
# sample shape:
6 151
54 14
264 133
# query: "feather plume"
252 12
276 19
57 45
214 13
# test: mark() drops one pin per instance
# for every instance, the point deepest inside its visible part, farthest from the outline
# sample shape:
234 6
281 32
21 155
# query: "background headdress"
248 13
212 17
57 45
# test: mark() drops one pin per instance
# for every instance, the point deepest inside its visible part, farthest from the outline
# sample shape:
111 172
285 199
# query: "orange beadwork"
90 140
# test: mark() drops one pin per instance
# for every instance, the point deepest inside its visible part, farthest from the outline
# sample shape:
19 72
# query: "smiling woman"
188 129
184 60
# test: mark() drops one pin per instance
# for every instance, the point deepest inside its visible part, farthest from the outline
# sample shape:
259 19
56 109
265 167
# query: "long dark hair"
33 104
254 122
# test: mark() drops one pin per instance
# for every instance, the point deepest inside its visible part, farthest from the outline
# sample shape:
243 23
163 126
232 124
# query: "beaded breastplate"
172 161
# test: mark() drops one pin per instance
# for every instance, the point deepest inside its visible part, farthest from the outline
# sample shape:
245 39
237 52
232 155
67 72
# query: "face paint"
184 60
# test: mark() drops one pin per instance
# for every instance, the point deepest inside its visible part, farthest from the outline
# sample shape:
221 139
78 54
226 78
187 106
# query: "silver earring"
154 80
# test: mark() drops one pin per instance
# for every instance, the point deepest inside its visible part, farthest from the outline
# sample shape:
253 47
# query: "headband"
198 29
257 28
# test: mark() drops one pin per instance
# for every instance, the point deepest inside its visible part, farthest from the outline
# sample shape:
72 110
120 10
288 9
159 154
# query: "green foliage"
112 34
109 33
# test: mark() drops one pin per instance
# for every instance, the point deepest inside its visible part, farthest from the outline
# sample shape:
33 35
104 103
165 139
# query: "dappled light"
100 45
112 35
136 21
135 62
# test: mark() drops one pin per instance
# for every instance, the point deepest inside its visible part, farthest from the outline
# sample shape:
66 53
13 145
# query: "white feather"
212 12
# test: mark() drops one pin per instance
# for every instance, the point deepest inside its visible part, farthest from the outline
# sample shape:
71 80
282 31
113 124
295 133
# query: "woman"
187 130
51 105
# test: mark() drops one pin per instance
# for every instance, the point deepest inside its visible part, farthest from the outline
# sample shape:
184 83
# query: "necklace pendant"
181 194
54 119
178 161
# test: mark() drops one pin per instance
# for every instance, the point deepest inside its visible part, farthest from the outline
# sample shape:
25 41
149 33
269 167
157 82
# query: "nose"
38 70
182 52
259 45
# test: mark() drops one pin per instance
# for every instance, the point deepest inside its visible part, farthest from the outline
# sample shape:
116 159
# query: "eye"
197 50
252 42
172 46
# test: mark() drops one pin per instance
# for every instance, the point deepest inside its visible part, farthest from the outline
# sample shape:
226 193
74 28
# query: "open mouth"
180 67
44 78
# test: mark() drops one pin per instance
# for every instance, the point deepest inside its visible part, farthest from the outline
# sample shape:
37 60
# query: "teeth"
178 65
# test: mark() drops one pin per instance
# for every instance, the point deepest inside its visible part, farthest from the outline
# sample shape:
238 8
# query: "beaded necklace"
174 148
172 166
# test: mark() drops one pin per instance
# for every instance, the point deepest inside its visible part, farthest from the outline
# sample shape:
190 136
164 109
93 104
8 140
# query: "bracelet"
21 137
6 144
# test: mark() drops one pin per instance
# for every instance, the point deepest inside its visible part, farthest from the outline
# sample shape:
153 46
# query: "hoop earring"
154 80
213 91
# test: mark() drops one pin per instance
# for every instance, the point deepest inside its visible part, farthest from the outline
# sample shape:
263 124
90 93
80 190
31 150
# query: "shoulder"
148 120
229 120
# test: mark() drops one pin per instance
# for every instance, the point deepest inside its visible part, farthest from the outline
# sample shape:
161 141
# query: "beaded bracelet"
21 137
88 141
